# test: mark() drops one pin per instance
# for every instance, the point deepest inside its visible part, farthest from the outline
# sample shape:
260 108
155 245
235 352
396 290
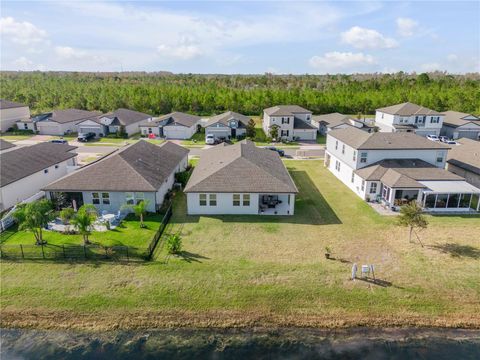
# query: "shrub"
182 177
174 244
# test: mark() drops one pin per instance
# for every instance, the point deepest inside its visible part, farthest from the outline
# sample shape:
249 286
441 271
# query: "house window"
25 126
343 149
363 157
45 171
363 185
373 188
435 119
285 120
150 130
354 155
213 199
246 199
129 198
95 198
56 166
139 196
236 199
203 199
336 145
284 133
106 198
308 117
337 165
382 115
353 177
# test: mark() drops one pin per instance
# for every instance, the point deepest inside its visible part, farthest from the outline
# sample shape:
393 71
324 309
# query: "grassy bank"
267 271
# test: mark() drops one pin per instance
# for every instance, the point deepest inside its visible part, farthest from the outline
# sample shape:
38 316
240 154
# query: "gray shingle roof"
363 140
6 104
466 155
4 145
141 166
72 115
456 118
300 124
226 117
179 118
408 109
332 119
289 110
404 173
24 161
126 117
240 168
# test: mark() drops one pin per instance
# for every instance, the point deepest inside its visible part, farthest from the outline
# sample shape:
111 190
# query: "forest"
163 92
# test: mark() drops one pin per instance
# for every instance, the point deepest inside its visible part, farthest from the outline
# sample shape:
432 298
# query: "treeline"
161 93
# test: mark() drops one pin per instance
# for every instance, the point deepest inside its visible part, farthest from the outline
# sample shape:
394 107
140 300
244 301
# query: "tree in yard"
34 217
140 210
83 221
174 244
274 132
66 215
411 216
250 129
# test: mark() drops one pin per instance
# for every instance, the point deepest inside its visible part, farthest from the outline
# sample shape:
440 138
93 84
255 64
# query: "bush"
174 244
182 177
15 131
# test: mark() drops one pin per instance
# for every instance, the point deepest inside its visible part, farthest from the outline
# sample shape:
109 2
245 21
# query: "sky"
244 37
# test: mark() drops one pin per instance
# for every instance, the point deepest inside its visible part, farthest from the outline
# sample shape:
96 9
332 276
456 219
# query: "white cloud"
72 56
452 57
23 33
362 38
428 67
186 48
341 61
406 27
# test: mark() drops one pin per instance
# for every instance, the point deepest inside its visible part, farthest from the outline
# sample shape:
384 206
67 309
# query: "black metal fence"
154 243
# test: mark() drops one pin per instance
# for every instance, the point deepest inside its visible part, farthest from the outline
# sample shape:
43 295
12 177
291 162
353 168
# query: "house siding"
47 127
8 117
179 132
469 176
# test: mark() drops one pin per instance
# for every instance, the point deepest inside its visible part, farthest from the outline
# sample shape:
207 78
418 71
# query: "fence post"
85 251
64 255
21 248
43 253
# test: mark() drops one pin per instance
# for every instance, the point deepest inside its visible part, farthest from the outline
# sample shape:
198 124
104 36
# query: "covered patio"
274 204
450 196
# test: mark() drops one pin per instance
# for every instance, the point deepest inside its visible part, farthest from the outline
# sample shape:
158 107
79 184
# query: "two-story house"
408 117
394 168
292 122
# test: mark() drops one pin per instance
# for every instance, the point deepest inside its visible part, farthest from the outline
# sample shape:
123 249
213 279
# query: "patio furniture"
118 216
108 217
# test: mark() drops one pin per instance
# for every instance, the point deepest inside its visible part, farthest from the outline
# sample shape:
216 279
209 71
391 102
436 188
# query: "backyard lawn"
267 271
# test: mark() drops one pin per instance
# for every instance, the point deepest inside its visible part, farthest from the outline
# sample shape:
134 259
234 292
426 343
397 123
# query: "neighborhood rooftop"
141 166
240 168
6 104
408 109
466 155
69 115
27 160
225 117
287 110
179 118
4 145
456 118
363 140
126 117
332 119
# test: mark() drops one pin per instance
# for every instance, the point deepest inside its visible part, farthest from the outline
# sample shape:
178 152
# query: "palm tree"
34 217
66 215
140 210
83 220
411 216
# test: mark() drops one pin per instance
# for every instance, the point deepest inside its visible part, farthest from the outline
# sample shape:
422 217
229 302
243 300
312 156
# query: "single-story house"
31 123
26 170
11 112
61 122
176 125
140 171
111 122
458 125
292 122
227 125
240 179
464 160
328 122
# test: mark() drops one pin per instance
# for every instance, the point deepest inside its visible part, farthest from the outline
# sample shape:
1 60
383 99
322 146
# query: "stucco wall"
179 132
469 176
8 117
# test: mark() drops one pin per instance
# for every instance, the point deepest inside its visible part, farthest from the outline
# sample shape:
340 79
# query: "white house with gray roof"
240 179
408 117
140 171
394 168
62 122
457 125
327 122
292 121
11 112
227 125
176 125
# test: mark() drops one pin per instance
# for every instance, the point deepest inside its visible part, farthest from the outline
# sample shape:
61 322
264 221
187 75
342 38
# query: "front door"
234 133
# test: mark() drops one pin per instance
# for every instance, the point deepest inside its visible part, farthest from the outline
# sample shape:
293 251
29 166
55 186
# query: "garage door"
49 129
468 134
176 132
218 132
84 130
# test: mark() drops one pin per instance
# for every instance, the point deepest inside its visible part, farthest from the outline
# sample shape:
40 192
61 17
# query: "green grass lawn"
267 271
9 137
128 233
321 139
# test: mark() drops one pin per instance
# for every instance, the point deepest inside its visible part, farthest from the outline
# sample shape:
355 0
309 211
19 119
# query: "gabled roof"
27 160
126 117
466 155
141 166
6 104
179 118
405 173
288 110
332 119
71 115
300 124
242 168
408 109
362 140
4 145
456 119
226 117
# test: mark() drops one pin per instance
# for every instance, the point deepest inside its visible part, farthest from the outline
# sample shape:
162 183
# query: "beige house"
11 112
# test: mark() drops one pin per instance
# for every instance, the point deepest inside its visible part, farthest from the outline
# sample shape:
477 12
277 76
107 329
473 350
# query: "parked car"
279 151
86 137
59 141
433 137
444 138
210 139
451 142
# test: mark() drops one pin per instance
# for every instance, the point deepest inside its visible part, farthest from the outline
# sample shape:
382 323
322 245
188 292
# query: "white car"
210 139
444 139
451 142
433 137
